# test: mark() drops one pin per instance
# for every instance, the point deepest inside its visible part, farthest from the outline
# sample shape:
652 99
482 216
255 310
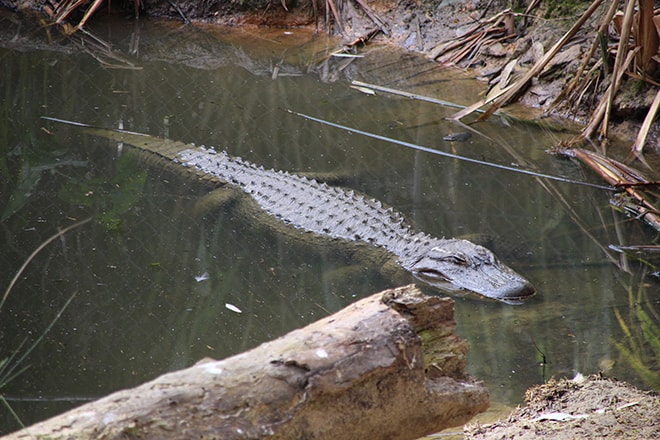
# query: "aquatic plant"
641 327
14 365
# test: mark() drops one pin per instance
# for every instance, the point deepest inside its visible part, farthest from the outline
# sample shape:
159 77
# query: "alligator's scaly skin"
336 213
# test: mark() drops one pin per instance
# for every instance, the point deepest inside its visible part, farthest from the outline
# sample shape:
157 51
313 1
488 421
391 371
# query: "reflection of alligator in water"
339 214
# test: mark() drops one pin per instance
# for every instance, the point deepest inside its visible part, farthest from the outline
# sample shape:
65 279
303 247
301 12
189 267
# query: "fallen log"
386 367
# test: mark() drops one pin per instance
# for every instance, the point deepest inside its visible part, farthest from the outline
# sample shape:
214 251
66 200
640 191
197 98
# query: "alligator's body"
339 214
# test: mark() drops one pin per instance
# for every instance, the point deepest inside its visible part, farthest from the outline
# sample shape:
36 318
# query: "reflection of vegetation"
641 349
648 255
113 197
9 365
29 178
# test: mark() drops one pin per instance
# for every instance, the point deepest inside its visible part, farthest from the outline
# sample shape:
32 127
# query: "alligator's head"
462 265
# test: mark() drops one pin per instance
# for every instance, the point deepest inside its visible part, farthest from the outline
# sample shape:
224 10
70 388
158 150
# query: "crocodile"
447 264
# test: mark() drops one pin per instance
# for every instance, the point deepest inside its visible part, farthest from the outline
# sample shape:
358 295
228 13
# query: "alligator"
304 204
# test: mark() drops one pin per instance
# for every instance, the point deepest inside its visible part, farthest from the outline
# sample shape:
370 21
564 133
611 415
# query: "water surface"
153 271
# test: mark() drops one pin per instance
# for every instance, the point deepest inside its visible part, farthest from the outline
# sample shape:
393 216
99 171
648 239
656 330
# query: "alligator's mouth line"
438 282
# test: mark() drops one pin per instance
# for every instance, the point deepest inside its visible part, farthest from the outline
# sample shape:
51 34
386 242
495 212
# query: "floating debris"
202 277
364 90
457 137
233 308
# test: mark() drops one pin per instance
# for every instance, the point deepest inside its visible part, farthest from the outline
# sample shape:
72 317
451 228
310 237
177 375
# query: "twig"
34 254
619 66
183 16
373 16
89 12
450 155
335 13
638 146
602 30
598 115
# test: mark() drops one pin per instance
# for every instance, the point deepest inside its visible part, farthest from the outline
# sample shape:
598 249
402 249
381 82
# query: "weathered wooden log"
386 367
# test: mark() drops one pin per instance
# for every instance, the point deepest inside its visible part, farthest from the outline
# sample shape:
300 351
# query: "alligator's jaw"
514 291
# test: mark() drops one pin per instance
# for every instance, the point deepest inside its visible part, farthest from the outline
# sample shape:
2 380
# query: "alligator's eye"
486 256
458 260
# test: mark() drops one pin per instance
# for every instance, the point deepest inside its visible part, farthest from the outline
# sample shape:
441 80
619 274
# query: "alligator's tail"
165 148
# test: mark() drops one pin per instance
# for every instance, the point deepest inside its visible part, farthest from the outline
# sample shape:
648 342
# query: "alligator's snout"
517 291
462 265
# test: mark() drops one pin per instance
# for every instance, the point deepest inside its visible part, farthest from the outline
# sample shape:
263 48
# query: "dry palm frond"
646 38
633 199
470 44
60 12
636 55
517 87
621 63
600 112
513 90
332 6
578 81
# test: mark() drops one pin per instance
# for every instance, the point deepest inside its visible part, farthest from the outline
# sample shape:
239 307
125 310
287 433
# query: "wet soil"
592 408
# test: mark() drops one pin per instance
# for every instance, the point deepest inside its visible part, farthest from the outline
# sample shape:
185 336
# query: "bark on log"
386 367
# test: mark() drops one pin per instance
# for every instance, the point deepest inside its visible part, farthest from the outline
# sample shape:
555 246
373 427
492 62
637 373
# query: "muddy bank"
590 408
486 37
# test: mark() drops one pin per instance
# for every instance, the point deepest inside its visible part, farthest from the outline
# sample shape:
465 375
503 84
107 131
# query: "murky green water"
152 273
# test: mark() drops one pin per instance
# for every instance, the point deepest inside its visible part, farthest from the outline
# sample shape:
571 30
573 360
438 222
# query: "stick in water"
450 155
